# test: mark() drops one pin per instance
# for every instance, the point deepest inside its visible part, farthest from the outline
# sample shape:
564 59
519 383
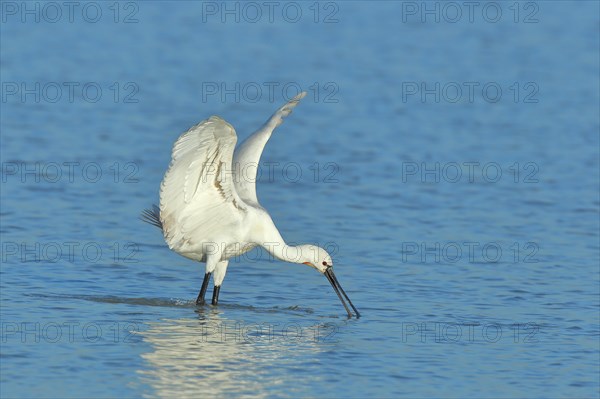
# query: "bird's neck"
270 239
279 249
287 253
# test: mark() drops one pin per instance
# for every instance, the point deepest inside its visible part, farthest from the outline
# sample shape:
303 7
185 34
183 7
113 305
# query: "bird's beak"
338 288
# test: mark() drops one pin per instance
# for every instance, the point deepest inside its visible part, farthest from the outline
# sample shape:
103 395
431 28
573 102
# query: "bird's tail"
152 216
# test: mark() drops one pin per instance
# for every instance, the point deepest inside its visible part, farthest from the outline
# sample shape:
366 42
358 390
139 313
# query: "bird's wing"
198 199
247 156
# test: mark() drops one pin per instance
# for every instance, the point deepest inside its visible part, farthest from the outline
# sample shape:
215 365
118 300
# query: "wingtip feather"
299 96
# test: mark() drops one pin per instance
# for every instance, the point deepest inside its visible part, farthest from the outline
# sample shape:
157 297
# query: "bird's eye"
324 263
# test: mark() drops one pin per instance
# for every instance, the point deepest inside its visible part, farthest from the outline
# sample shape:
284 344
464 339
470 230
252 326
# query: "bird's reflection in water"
212 355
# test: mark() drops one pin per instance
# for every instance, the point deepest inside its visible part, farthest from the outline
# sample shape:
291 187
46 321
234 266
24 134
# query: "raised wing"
247 156
198 200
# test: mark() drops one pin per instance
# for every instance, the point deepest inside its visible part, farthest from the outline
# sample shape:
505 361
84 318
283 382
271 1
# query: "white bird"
209 211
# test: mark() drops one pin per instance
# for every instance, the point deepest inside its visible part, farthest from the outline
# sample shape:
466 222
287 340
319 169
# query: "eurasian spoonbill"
209 211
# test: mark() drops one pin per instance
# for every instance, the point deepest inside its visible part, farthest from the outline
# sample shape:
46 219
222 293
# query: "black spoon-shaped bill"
337 287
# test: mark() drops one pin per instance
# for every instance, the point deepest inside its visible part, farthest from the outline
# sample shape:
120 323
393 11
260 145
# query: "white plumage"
209 210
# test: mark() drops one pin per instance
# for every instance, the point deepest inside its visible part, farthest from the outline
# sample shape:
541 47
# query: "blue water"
464 225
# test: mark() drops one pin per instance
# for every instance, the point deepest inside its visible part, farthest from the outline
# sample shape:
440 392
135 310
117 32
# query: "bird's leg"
200 300
220 270
215 298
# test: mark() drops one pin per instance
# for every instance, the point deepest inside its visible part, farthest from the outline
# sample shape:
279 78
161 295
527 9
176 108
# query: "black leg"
200 300
215 299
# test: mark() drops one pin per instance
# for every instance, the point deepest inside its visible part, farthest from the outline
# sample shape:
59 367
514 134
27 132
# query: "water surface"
465 229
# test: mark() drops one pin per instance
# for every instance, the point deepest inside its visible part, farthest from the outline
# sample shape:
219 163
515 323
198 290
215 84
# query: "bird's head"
315 257
320 259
